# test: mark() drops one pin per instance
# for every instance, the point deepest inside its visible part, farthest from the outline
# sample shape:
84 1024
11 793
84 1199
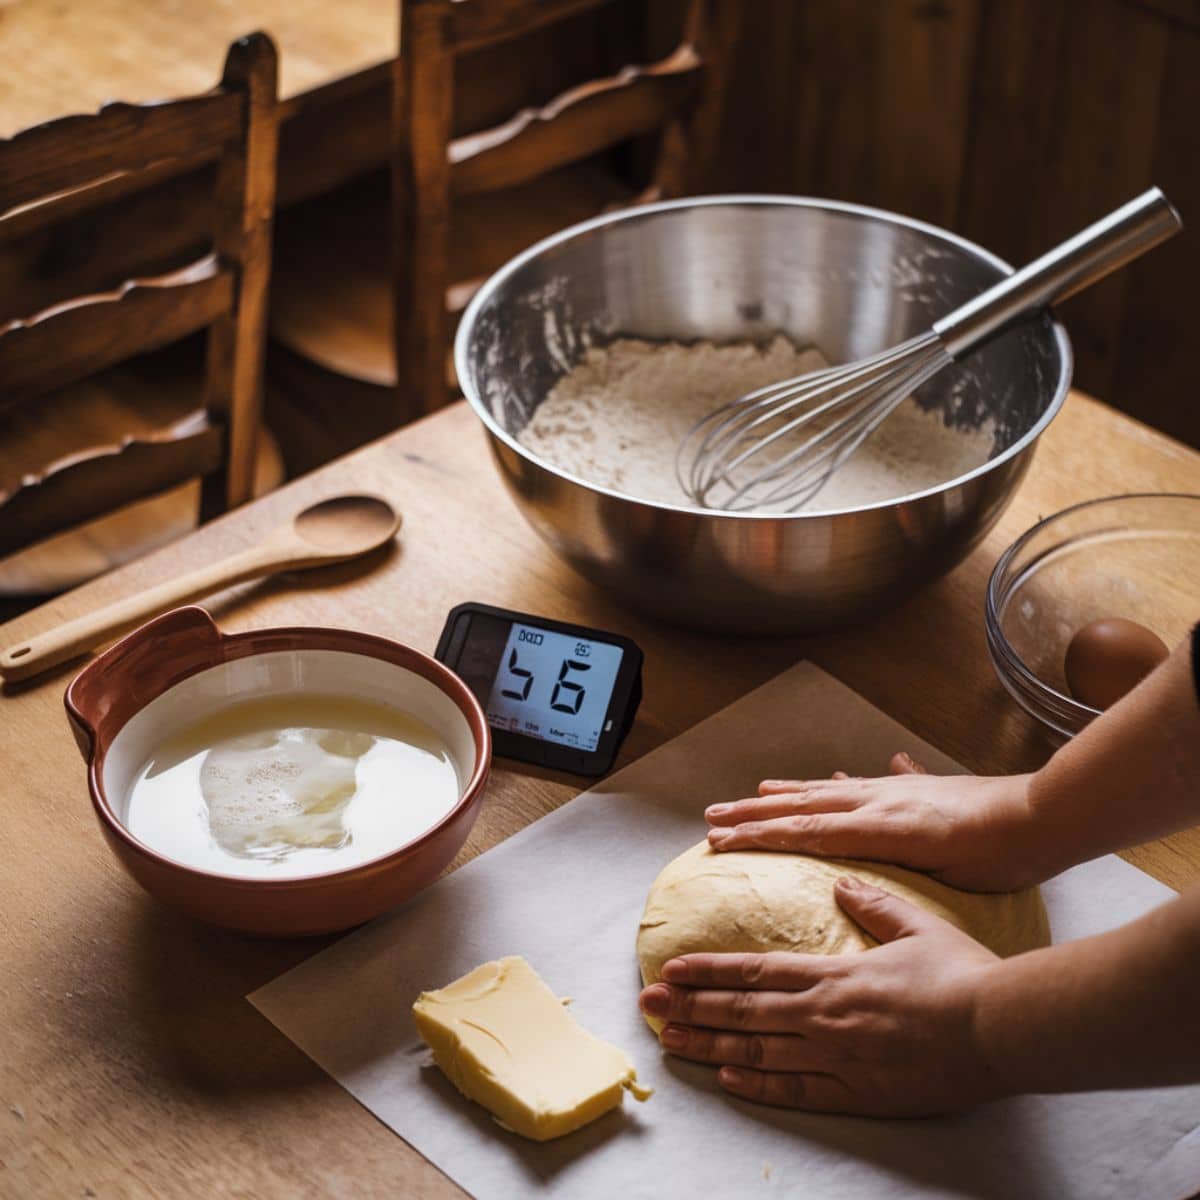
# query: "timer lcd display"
554 694
553 686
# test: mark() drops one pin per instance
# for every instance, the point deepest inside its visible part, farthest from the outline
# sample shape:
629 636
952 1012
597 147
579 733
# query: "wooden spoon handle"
85 633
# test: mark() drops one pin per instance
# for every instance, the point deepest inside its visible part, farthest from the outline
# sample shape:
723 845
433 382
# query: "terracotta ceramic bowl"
180 668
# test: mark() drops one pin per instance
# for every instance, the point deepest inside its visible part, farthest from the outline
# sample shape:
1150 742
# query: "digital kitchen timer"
555 694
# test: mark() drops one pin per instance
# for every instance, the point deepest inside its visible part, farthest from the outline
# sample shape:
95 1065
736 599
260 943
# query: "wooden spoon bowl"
330 531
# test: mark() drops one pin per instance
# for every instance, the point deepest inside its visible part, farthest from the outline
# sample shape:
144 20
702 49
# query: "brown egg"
1110 657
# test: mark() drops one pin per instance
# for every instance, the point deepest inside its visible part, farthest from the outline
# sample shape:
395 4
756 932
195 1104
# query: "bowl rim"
733 200
275 639
997 639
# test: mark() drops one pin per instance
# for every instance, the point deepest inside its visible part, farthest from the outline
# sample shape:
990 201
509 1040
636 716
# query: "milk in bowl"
292 785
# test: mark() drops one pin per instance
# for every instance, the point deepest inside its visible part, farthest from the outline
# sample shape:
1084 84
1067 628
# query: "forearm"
1118 1010
1130 776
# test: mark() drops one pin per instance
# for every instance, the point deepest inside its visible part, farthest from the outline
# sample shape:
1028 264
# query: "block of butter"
505 1040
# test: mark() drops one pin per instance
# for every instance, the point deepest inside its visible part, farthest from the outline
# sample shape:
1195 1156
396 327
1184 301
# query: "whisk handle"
1077 263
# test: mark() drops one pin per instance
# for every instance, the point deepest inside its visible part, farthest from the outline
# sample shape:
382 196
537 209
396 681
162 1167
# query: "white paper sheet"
567 894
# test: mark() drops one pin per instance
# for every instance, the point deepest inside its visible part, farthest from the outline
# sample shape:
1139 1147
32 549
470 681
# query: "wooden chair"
50 360
462 205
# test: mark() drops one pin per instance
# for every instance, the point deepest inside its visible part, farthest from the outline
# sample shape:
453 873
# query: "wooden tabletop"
69 56
130 1062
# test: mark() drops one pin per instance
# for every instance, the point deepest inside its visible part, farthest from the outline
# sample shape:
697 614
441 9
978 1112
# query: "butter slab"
503 1038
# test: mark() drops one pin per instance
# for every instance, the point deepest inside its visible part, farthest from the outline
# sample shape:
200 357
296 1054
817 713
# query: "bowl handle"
136 670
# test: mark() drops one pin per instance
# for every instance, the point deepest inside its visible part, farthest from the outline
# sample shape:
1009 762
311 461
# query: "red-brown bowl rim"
233 646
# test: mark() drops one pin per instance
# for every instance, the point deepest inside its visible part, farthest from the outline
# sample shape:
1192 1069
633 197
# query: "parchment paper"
567 894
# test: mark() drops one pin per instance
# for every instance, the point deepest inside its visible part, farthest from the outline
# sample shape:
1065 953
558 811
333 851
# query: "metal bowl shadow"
848 279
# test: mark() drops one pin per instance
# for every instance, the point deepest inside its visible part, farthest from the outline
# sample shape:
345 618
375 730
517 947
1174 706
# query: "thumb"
903 763
884 916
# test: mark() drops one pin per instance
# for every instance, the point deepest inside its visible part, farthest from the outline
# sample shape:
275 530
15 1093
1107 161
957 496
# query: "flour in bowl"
618 416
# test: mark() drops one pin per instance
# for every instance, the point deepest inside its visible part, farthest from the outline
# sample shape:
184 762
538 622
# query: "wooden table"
68 56
130 1063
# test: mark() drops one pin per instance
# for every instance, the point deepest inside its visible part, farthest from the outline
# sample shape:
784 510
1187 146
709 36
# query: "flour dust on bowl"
839 279
284 781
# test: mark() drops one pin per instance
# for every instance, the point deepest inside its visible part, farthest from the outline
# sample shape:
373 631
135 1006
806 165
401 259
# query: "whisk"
775 448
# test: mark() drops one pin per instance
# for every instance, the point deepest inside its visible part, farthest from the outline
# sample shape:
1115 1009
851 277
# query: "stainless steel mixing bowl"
850 280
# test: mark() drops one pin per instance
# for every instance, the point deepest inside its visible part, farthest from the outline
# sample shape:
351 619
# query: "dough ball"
753 901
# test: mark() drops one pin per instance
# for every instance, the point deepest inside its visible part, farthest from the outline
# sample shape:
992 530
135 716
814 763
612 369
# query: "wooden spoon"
329 531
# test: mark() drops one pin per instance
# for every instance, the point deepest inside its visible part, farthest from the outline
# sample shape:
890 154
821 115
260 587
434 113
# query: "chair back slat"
101 330
476 25
577 124
71 491
73 151
681 98
49 346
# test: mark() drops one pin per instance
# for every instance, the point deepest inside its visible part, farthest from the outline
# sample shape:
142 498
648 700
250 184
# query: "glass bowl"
1134 556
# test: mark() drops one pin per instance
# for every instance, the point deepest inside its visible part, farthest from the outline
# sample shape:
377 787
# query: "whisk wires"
776 448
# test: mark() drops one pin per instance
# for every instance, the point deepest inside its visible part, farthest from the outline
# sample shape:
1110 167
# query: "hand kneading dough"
754 901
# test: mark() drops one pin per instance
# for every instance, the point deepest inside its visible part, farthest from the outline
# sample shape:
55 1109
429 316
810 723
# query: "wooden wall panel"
1093 132
1013 122
1158 365
854 100
1185 11
925 55
1012 143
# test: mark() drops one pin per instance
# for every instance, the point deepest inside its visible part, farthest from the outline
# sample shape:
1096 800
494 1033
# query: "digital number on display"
553 686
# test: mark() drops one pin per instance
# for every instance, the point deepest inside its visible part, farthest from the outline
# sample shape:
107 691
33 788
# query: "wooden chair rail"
53 216
73 489
576 124
60 155
101 330
143 304
475 25
681 95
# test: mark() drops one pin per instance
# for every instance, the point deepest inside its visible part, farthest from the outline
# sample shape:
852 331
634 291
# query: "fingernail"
674 970
674 1038
717 837
848 883
656 1000
717 810
732 1077
906 757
